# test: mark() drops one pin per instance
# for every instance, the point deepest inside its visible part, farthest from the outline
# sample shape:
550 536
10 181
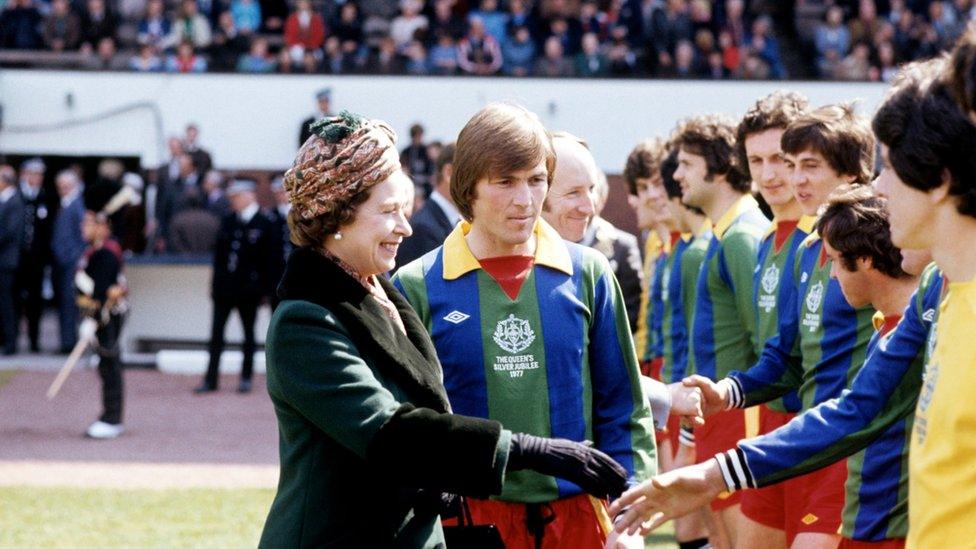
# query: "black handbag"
468 535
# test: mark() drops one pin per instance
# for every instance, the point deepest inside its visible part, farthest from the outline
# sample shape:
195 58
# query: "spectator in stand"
304 30
568 32
335 61
591 61
416 162
479 53
943 22
349 27
518 53
154 27
734 23
670 24
887 68
416 55
867 24
194 229
20 24
856 66
444 22
684 62
273 13
190 26
257 59
730 52
700 14
62 29
146 60
246 15
213 197
385 60
67 245
406 26
496 22
377 15
593 20
715 66
521 16
763 44
443 56
106 57
832 41
97 22
228 45
620 55
191 145
754 68
553 63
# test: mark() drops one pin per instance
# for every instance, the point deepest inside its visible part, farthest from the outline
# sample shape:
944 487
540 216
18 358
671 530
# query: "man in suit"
11 234
67 247
621 249
324 98
572 207
36 246
241 277
201 157
432 223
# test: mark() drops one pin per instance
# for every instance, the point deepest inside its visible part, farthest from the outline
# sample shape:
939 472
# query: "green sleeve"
740 252
691 263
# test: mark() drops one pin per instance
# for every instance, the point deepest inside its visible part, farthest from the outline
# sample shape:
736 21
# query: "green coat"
366 441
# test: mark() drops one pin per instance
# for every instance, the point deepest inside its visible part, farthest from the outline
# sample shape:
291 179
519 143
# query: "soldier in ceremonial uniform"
246 246
101 298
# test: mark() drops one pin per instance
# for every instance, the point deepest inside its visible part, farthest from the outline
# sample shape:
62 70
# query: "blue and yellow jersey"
723 336
644 339
869 424
556 361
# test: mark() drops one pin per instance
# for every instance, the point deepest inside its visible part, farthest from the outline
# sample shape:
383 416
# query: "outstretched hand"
676 493
686 402
714 395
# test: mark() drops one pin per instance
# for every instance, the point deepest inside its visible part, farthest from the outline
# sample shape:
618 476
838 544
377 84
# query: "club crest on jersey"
513 334
770 279
815 297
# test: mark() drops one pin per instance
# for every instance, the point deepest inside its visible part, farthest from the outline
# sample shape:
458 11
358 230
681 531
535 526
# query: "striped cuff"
736 398
686 437
735 470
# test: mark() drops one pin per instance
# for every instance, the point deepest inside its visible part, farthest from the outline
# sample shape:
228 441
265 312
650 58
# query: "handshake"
590 469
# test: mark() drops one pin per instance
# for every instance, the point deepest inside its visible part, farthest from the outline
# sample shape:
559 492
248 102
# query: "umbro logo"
456 317
928 315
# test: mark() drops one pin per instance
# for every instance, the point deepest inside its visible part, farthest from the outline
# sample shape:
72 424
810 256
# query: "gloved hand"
589 468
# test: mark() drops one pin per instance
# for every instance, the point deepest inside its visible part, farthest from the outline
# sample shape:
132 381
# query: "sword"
86 333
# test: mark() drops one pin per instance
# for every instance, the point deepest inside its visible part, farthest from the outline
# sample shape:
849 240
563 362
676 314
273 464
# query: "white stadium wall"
251 121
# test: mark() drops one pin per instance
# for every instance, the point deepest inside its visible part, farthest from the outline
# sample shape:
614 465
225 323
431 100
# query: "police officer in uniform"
246 246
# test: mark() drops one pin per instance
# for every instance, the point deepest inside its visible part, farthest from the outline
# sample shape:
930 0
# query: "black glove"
588 468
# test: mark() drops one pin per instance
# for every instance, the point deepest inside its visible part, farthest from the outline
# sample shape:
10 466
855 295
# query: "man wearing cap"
11 233
324 98
36 247
241 277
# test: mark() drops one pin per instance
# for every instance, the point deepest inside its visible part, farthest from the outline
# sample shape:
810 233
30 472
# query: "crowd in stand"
662 38
869 40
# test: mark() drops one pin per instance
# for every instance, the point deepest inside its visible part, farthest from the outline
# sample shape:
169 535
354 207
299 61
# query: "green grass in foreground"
73 517
7 375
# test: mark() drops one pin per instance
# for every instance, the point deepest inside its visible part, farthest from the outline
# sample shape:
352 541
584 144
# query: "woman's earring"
337 236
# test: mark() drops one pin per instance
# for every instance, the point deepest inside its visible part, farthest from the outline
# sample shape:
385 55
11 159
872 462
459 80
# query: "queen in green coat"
369 449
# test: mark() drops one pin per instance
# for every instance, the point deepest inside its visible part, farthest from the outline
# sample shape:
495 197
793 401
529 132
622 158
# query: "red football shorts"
720 433
768 505
577 521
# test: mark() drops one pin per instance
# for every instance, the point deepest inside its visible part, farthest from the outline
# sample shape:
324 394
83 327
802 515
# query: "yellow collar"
550 250
741 206
805 224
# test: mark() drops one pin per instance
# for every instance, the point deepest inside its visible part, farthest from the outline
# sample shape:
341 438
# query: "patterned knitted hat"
345 155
